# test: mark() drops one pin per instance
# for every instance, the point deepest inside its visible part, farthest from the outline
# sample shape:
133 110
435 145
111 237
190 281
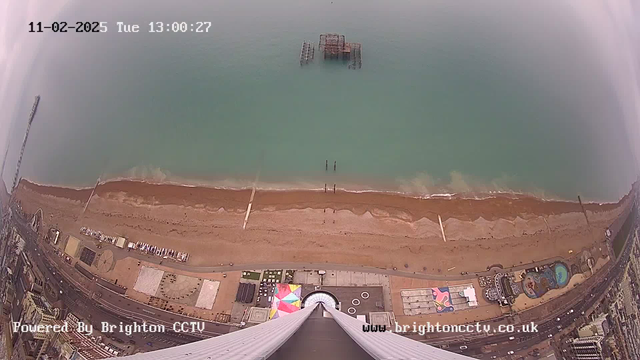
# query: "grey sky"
18 48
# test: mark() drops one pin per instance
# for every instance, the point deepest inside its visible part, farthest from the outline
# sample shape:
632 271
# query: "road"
122 253
566 316
92 301
113 303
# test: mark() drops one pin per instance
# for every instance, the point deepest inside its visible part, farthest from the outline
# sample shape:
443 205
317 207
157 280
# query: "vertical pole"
442 229
326 165
334 188
4 160
334 165
91 196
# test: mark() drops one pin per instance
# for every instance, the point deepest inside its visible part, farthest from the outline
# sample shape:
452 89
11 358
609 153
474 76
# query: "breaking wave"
421 186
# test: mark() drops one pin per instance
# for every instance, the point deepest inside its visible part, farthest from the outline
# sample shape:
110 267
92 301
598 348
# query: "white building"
264 340
587 348
598 327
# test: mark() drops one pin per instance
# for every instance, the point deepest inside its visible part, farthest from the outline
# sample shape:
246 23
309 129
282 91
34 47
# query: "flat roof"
320 338
40 303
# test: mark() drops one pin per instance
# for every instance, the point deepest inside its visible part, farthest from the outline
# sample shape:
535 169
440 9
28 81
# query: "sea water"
451 97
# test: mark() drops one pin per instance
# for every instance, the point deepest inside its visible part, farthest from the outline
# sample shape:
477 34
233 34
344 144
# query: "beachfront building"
501 288
297 336
36 312
438 300
587 348
598 327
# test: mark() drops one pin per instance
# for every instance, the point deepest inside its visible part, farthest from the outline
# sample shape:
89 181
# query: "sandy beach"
372 229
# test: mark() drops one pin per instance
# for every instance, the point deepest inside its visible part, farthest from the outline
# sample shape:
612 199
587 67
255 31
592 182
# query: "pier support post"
334 166
334 188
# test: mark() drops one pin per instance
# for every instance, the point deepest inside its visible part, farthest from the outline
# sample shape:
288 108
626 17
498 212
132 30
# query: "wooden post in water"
334 166
334 188
326 165
325 188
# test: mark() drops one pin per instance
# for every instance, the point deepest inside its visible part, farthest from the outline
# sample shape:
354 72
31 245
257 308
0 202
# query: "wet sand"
502 206
373 229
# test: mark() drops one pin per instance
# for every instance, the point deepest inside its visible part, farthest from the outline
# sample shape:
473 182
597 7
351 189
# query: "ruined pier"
307 52
333 47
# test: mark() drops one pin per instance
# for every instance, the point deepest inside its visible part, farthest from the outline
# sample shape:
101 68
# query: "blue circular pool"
562 274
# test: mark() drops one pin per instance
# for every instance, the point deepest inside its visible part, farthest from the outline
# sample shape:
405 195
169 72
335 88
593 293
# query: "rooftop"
40 304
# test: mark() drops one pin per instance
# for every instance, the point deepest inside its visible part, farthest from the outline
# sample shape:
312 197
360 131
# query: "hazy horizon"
500 97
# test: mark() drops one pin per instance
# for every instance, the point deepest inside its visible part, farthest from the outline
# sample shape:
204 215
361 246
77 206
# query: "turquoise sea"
507 96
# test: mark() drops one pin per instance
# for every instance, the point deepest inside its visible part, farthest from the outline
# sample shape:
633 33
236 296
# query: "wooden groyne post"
442 229
90 197
584 211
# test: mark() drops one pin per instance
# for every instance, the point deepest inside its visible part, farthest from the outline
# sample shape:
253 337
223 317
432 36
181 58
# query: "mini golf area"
536 284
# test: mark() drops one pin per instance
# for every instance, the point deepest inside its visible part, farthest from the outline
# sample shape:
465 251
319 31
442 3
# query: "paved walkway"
122 253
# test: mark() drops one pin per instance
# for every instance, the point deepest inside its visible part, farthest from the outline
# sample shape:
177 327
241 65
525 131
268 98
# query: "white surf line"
90 196
442 229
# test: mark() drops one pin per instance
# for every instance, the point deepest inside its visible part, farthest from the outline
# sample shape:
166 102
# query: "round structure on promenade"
321 297
562 274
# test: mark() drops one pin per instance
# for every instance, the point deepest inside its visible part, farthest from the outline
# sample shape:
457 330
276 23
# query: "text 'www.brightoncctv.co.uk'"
429 327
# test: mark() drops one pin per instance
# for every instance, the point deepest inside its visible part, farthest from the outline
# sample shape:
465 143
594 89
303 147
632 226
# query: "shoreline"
370 229
231 184
395 204
273 187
